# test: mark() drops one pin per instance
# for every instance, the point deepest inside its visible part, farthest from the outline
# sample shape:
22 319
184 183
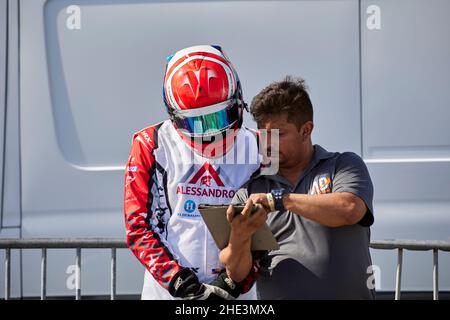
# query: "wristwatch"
277 195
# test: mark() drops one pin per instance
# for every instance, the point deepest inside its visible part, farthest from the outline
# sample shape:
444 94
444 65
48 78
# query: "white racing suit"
165 181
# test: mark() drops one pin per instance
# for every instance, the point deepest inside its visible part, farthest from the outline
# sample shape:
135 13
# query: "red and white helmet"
202 91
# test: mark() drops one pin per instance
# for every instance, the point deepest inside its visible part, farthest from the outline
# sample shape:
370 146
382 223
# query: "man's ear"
306 130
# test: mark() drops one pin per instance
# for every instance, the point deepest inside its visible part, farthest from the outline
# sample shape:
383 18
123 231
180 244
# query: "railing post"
78 275
435 274
7 273
113 273
43 273
398 278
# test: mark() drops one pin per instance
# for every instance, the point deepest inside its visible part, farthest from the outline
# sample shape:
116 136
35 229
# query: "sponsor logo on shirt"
189 215
205 192
132 169
189 206
207 167
146 136
321 184
190 210
205 182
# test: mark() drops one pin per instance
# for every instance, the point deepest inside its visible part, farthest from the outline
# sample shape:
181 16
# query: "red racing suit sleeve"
252 276
143 239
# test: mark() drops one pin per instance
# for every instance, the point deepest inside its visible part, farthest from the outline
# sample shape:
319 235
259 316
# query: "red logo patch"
206 180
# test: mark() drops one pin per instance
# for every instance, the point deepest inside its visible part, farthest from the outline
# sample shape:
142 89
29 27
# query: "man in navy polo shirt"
318 206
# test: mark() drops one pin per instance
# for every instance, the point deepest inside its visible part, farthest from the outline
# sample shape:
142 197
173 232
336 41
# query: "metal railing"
413 245
114 244
44 244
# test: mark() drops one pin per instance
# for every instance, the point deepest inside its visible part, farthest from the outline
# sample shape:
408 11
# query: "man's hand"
261 198
245 224
237 257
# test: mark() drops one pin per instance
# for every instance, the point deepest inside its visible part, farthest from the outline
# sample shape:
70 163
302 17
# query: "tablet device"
215 218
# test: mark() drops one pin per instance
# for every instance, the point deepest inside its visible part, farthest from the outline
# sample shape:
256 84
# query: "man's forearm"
237 257
332 209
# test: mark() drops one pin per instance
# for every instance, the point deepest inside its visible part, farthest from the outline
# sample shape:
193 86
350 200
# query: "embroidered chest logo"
206 181
321 184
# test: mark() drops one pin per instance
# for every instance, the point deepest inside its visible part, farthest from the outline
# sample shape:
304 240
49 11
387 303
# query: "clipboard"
215 218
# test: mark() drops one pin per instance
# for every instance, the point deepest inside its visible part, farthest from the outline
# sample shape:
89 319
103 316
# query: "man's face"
292 140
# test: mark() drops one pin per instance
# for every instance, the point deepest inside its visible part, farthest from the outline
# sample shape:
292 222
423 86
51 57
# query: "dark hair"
286 96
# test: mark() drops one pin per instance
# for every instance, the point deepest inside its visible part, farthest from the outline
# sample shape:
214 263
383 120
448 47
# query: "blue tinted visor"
209 124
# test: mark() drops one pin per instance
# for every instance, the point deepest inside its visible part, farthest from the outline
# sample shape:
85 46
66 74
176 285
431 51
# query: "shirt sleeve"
352 176
240 196
143 238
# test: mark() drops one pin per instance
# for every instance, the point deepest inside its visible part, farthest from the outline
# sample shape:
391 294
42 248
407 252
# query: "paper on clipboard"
215 218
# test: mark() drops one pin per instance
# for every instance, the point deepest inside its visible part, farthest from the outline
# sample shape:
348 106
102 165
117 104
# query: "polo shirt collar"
321 154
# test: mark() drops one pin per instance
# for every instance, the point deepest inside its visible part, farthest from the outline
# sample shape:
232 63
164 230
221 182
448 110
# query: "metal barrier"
44 244
413 245
114 244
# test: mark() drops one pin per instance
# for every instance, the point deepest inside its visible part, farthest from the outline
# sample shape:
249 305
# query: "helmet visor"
208 124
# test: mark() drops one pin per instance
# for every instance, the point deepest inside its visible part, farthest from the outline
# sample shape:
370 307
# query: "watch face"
278 192
278 197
